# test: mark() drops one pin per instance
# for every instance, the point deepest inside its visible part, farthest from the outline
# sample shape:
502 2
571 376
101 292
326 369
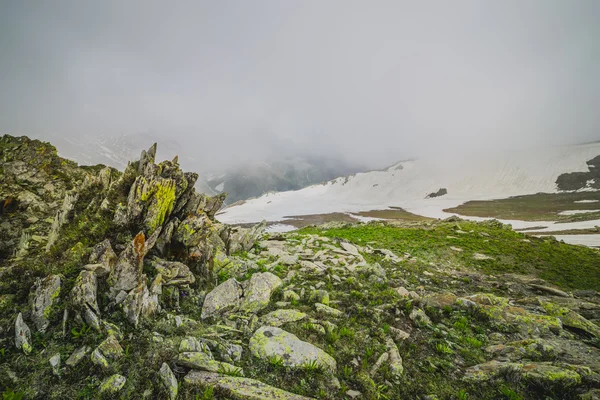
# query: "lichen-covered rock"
193 345
141 302
101 270
169 381
112 384
328 311
242 239
77 356
98 359
237 388
419 317
127 272
111 348
103 253
573 320
269 342
204 362
55 363
22 335
221 299
84 300
320 296
396 367
280 317
46 295
439 300
534 373
174 273
258 290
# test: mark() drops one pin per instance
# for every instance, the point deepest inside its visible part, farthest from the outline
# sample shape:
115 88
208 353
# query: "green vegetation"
559 263
533 207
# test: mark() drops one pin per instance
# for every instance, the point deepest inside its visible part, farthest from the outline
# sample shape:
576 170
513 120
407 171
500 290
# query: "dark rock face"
581 180
439 193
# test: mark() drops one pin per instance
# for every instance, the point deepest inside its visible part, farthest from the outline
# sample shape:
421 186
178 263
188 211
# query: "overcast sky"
371 80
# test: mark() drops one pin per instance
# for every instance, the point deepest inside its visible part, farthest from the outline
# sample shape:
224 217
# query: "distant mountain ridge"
406 184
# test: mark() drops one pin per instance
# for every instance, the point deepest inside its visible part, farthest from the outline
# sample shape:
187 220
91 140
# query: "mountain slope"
407 184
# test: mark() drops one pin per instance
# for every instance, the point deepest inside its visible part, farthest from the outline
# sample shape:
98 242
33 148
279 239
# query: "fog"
371 81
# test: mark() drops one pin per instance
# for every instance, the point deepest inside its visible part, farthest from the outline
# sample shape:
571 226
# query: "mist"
369 82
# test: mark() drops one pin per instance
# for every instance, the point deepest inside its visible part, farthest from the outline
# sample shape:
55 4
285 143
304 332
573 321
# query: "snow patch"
575 212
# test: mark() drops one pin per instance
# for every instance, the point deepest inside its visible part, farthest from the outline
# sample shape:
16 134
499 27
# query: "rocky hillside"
123 285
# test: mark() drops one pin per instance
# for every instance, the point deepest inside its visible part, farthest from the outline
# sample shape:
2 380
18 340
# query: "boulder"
174 273
110 348
55 363
350 248
169 381
204 362
77 356
112 384
237 388
242 239
280 317
46 295
83 294
258 290
328 311
103 253
22 335
269 342
221 299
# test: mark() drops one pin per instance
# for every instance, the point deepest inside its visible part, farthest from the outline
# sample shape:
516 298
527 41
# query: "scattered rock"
204 362
280 317
22 335
326 310
55 364
169 381
221 299
268 342
77 356
258 290
112 384
549 290
237 388
46 295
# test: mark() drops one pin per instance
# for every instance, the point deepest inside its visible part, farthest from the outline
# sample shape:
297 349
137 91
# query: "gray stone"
258 290
350 248
237 388
22 335
169 381
221 299
112 384
55 363
78 355
83 294
268 342
204 362
328 311
46 295
281 317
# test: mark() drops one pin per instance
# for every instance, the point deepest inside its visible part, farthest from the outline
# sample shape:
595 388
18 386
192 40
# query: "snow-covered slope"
466 177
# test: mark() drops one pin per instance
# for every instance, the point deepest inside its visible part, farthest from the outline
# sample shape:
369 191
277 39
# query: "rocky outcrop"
127 272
